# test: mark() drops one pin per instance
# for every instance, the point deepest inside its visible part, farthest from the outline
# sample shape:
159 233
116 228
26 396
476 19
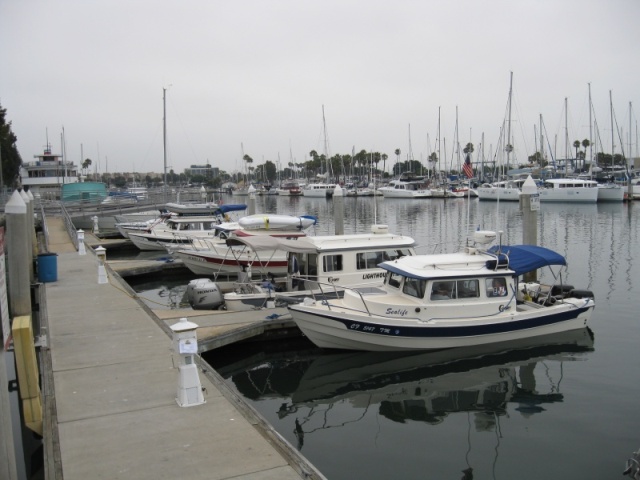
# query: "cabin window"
468 288
368 260
394 280
332 263
443 290
496 287
395 254
414 287
312 265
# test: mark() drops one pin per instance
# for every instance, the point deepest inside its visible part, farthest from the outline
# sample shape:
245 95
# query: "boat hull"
502 194
331 327
211 263
610 193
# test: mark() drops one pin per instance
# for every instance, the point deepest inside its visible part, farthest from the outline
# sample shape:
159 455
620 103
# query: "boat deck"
109 388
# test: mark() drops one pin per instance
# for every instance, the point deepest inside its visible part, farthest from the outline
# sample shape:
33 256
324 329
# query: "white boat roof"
326 243
571 181
445 265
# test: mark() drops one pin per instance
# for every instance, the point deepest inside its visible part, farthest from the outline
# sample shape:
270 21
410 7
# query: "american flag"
467 168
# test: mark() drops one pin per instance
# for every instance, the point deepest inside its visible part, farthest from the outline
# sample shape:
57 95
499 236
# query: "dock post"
19 256
32 228
338 209
530 205
101 255
251 207
185 346
96 228
81 248
30 233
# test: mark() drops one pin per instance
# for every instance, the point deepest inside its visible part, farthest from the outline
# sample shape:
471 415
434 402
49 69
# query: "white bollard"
95 219
101 255
185 346
81 249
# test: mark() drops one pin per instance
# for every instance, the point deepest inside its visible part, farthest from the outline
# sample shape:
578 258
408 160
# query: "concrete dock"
109 388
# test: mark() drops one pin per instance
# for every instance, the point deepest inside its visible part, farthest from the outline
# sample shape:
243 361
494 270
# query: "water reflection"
323 390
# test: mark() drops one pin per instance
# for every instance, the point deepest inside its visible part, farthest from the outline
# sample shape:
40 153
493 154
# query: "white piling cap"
15 204
183 325
529 187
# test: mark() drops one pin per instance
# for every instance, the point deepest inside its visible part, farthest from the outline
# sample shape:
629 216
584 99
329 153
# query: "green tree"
271 171
9 155
395 168
86 164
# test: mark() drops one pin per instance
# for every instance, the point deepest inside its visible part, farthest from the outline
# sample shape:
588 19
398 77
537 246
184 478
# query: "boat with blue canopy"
474 297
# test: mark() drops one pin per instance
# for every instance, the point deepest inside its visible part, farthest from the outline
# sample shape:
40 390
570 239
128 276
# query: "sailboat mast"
509 146
590 133
326 147
566 135
613 146
439 155
164 138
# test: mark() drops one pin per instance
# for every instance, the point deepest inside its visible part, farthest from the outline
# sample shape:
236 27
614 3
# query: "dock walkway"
110 408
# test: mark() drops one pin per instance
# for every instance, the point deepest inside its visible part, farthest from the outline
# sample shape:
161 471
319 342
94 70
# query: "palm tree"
248 160
384 164
397 152
576 145
86 164
585 144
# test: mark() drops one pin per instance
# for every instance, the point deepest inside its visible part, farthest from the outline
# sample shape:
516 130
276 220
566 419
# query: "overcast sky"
253 76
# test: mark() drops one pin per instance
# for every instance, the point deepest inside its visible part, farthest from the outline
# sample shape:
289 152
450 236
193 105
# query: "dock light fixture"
81 249
101 255
185 347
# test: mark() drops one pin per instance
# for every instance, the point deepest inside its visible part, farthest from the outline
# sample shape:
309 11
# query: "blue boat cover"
526 258
231 208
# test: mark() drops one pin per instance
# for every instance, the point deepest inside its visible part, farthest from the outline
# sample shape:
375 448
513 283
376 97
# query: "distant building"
205 170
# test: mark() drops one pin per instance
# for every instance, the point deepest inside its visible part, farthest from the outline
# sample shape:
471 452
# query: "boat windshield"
414 287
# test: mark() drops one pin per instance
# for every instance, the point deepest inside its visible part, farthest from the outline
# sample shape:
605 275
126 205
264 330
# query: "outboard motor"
204 294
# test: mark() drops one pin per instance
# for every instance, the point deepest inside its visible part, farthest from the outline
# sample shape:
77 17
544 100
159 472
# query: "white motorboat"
573 190
175 231
504 191
206 257
405 189
469 298
141 226
343 260
319 190
182 228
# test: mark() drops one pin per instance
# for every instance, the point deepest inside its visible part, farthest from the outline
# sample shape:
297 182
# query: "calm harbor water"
561 407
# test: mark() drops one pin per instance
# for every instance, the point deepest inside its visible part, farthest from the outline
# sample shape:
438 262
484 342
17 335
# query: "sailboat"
504 190
321 189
